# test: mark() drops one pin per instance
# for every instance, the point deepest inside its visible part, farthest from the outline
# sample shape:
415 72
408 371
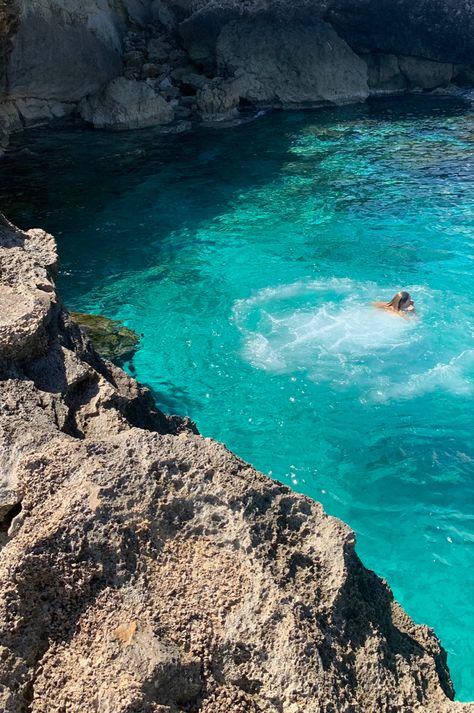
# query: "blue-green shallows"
248 257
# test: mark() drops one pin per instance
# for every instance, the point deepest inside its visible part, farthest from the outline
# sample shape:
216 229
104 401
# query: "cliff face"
178 59
146 569
58 53
8 28
438 30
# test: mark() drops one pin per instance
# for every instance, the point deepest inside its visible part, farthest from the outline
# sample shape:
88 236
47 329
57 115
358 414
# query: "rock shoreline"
128 64
144 568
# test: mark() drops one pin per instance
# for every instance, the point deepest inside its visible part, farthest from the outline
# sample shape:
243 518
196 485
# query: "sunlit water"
248 257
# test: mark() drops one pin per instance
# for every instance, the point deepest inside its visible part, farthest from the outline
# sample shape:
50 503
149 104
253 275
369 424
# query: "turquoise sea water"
248 258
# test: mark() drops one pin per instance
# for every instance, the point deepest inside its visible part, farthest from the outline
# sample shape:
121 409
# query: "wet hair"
398 300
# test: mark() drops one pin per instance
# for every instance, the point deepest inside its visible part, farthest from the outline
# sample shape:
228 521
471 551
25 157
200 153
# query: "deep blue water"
248 257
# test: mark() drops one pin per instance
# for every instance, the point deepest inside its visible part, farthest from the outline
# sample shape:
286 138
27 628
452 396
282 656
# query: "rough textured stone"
294 65
441 30
126 104
158 50
64 49
34 112
10 121
424 73
384 75
220 99
54 53
147 569
8 28
26 306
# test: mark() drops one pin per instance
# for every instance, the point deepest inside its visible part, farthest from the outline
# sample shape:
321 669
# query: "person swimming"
400 304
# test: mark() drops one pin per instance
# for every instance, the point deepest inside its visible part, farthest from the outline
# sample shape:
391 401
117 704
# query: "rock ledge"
145 569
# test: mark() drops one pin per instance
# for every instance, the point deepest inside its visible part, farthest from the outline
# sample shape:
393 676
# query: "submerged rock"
148 569
110 338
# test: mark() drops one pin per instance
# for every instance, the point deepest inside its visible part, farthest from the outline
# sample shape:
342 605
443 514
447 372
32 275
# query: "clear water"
248 258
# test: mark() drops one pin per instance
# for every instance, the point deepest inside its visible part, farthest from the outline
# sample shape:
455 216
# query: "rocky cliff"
146 569
134 63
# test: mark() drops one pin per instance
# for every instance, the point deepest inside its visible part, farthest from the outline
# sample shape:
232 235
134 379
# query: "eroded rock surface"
286 65
126 104
135 63
147 569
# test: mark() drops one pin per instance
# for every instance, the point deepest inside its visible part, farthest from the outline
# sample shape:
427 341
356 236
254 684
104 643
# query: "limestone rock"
442 31
158 50
34 112
196 81
148 569
464 76
54 53
220 99
139 11
424 73
384 74
126 104
8 28
437 31
162 13
150 70
291 65
10 121
64 49
24 315
26 303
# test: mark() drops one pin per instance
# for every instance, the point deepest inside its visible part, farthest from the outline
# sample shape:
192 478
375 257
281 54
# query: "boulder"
290 65
150 70
161 12
424 73
126 104
158 50
26 304
220 99
34 112
139 11
191 79
133 58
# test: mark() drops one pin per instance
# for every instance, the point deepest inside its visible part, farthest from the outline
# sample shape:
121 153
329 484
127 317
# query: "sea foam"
330 330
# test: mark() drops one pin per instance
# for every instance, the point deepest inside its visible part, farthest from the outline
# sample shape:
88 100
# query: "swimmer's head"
402 301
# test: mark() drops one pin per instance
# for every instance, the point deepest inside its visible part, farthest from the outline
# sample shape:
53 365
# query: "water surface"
248 258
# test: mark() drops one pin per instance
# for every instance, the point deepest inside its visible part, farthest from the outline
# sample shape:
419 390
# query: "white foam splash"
452 376
329 330
334 322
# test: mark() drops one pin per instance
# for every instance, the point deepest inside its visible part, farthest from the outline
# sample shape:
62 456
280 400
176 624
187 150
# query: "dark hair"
399 299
